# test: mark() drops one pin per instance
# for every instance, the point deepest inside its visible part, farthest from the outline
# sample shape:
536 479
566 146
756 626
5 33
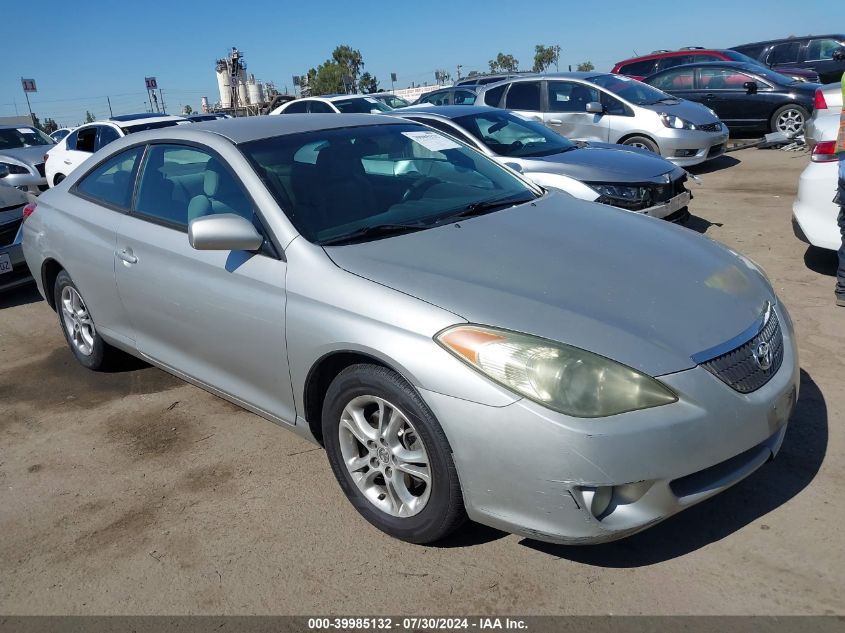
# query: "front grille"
40 168
739 368
664 193
710 127
9 231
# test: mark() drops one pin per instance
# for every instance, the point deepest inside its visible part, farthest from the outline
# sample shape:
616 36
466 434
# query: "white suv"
334 104
77 146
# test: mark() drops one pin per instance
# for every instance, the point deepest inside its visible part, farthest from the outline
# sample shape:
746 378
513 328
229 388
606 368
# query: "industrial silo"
224 85
253 90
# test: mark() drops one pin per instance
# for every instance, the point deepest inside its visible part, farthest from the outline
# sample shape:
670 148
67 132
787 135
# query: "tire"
790 118
642 142
80 333
376 482
57 179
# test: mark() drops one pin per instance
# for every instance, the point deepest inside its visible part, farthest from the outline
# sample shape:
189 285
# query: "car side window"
786 53
86 140
566 96
821 49
724 79
297 107
113 180
180 183
318 107
524 95
638 69
753 52
464 97
493 96
614 106
70 141
438 98
106 135
671 62
675 80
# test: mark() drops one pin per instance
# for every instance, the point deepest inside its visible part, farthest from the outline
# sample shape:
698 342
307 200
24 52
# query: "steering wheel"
418 188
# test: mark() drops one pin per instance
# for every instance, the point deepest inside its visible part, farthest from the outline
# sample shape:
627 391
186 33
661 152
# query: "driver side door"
566 112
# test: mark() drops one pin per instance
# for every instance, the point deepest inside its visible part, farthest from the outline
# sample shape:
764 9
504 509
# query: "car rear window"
638 69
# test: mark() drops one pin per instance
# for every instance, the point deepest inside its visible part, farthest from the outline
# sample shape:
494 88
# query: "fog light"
685 153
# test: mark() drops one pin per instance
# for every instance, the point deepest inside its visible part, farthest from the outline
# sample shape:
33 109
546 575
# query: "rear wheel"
789 119
390 455
642 142
78 327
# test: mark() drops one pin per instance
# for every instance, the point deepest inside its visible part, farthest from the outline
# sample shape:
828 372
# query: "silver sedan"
460 342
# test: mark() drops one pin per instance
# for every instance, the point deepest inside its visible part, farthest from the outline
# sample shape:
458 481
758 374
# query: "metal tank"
224 86
253 90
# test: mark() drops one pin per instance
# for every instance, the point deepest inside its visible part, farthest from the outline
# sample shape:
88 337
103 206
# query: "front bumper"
528 470
699 145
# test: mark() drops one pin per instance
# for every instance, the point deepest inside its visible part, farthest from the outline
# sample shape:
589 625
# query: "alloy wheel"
385 456
77 321
790 121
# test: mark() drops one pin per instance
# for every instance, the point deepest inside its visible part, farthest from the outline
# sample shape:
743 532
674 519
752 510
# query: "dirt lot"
137 493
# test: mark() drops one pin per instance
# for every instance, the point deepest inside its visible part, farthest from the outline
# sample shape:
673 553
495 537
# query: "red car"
645 65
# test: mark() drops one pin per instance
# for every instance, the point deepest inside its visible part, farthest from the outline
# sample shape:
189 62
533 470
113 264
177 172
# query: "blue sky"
79 52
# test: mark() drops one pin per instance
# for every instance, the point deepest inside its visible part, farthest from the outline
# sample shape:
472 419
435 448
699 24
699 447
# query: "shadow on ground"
717 164
770 487
821 260
19 296
698 224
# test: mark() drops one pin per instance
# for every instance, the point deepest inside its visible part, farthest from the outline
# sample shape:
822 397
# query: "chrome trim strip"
740 339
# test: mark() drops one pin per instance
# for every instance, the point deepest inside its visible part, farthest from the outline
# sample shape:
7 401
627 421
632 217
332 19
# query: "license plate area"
5 263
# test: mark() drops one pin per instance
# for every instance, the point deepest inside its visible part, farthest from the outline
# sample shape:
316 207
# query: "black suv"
825 54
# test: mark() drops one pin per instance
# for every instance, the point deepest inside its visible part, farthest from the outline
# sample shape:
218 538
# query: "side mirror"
4 171
839 54
594 107
224 232
750 87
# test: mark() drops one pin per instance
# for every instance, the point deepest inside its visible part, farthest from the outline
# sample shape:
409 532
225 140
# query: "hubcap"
77 321
385 456
790 121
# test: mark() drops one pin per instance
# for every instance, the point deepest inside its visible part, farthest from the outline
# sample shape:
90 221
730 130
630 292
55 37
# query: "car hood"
28 155
600 162
632 288
688 110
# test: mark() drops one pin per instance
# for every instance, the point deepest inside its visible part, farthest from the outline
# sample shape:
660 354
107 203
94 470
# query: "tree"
441 77
326 79
368 83
586 67
350 61
89 118
187 110
504 63
49 126
545 56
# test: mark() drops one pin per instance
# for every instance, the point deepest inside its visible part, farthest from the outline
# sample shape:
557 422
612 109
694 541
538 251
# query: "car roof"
797 38
752 68
245 129
7 126
446 111
677 53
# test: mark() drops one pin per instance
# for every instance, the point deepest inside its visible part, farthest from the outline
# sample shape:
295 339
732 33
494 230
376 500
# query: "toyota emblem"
763 356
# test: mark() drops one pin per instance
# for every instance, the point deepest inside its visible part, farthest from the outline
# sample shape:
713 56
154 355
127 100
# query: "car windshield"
347 183
770 75
507 134
735 56
23 136
361 105
631 90
140 127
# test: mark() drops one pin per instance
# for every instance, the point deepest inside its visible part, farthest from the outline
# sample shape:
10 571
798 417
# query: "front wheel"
390 455
789 119
642 142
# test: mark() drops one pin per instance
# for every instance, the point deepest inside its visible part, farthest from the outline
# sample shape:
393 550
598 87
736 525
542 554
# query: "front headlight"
676 122
567 379
620 192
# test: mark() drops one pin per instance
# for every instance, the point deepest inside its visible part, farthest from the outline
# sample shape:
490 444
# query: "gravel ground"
135 493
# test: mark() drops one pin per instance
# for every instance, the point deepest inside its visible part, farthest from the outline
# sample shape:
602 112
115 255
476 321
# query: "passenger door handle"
127 257
709 95
555 121
66 161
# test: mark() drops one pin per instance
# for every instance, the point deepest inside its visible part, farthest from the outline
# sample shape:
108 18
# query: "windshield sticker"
370 99
432 141
26 130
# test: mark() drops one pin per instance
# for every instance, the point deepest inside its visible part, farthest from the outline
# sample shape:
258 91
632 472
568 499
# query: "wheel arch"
631 135
50 269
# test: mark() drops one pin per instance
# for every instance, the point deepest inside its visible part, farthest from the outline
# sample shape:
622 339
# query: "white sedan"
814 212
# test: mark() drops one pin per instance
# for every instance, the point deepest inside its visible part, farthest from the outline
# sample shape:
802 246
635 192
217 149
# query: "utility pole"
26 90
149 96
110 112
459 71
155 98
161 95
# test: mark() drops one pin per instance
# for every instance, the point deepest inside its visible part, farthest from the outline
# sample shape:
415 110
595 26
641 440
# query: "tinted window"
524 95
723 79
464 97
86 140
493 96
674 80
155 125
822 49
318 107
113 180
445 127
786 53
107 135
675 60
752 51
630 90
23 136
566 96
375 175
179 184
638 69
297 107
705 57
509 135
360 105
58 135
614 106
436 98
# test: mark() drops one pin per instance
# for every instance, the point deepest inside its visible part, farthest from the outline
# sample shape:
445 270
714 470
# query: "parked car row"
462 342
